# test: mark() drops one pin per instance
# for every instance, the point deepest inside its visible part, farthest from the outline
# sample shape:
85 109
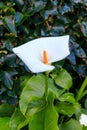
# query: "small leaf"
19 2
9 24
65 8
66 108
39 7
80 53
6 110
18 18
2 5
84 28
81 69
8 45
47 13
64 79
7 79
85 2
4 51
10 60
77 1
69 97
71 125
85 103
57 30
1 29
72 58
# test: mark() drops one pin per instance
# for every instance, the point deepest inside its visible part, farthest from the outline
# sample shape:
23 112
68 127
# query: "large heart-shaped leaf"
33 90
4 123
47 118
17 120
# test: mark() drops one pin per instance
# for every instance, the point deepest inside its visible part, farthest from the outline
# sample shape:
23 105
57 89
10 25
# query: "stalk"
81 92
46 86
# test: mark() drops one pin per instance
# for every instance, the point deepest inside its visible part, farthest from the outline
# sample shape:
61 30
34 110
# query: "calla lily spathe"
52 49
83 119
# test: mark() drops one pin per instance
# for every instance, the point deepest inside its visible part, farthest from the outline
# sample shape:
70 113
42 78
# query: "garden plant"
43 65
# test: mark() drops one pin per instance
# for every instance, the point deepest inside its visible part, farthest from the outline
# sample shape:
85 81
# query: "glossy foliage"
24 20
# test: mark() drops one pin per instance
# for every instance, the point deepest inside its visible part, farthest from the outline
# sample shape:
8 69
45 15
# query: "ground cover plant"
22 102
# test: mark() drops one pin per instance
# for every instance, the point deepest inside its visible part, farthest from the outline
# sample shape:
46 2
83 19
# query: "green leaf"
8 23
84 28
69 97
39 5
20 3
34 107
45 14
72 58
6 110
67 108
8 45
57 92
7 79
33 90
85 104
65 8
51 87
57 30
17 120
79 52
1 29
46 119
71 125
4 123
64 79
18 18
2 6
9 60
84 128
85 2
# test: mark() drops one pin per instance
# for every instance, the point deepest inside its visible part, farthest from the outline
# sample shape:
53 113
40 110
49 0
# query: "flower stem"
81 92
46 86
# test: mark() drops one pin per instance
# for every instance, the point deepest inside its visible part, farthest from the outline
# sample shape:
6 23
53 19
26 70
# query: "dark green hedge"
24 20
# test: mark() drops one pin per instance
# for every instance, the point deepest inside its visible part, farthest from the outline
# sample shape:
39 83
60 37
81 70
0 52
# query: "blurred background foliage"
24 20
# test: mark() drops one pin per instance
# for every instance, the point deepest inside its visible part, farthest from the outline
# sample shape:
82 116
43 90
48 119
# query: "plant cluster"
21 92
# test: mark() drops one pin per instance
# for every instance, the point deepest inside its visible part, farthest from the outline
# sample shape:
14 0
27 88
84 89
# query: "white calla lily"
51 49
83 119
